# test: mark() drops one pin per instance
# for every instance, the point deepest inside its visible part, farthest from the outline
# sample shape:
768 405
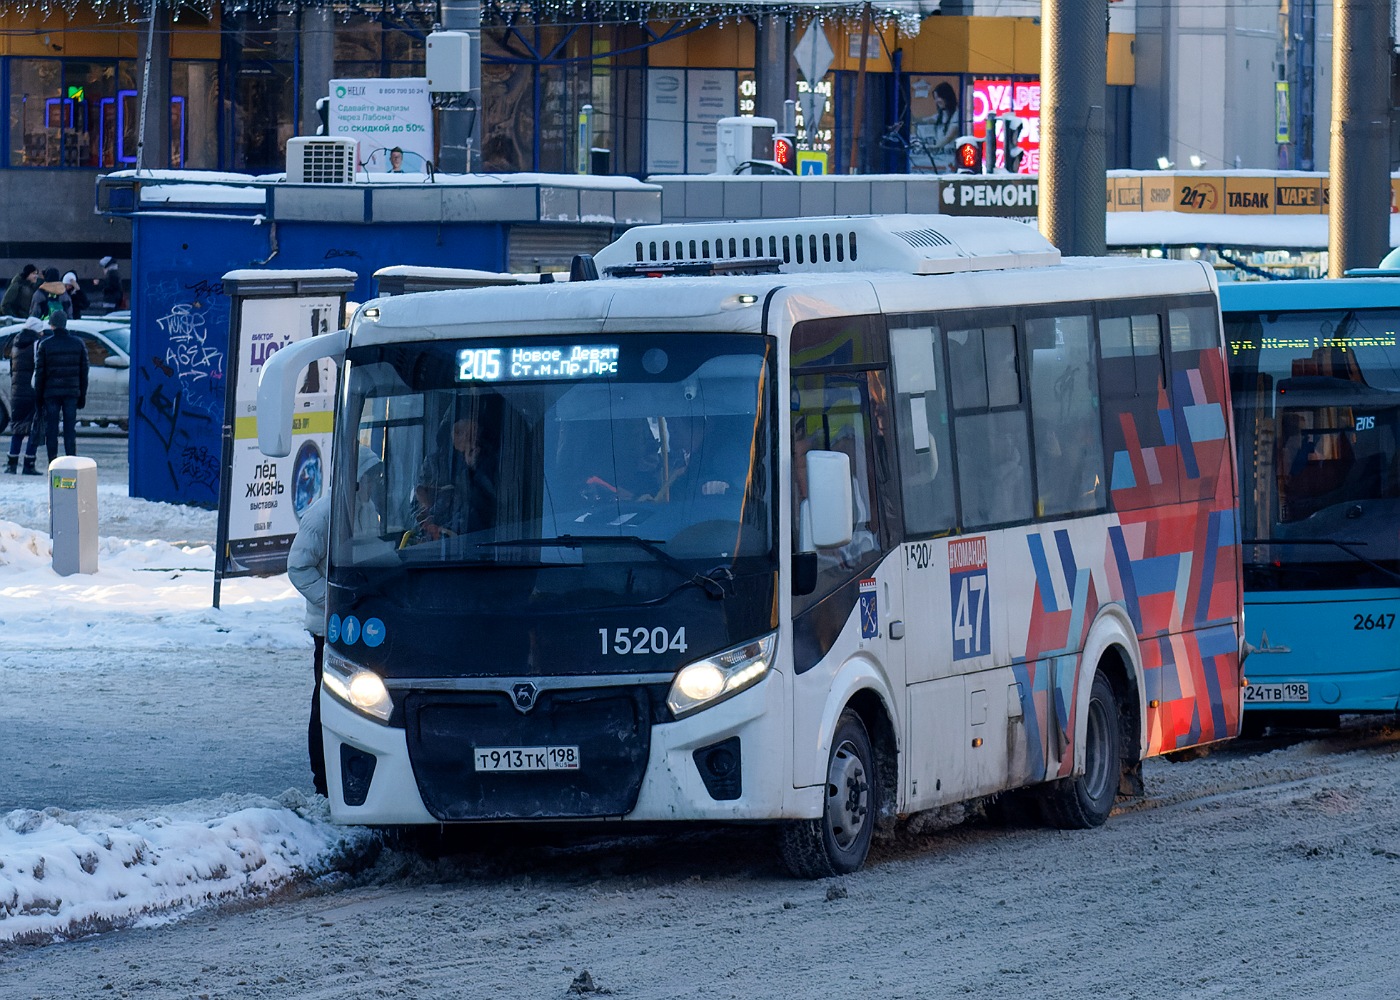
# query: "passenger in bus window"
455 491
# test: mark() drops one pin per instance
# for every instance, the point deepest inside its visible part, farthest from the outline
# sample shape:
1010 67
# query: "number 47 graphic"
971 615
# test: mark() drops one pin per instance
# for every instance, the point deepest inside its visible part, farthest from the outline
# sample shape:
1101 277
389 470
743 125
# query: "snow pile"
68 873
145 594
26 501
64 874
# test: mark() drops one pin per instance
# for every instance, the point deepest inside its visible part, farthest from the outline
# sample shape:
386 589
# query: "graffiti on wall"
179 395
196 363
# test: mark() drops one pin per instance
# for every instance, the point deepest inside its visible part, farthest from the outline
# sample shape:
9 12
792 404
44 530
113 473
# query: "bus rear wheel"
839 841
1085 801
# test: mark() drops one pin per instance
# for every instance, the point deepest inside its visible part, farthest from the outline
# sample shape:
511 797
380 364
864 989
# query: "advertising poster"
665 121
682 109
267 496
384 116
711 94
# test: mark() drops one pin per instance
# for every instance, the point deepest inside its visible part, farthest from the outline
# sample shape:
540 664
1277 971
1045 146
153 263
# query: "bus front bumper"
731 762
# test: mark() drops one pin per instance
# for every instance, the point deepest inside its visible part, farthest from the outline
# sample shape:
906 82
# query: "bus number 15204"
623 641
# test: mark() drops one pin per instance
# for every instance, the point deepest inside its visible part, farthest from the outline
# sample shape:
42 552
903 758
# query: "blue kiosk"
189 228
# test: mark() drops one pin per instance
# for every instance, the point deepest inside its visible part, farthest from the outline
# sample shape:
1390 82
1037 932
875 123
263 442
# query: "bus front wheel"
838 842
1086 800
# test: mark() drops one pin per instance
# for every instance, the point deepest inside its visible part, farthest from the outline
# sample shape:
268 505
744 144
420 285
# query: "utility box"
448 59
320 160
742 139
73 514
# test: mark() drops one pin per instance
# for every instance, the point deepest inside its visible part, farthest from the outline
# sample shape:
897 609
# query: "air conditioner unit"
320 160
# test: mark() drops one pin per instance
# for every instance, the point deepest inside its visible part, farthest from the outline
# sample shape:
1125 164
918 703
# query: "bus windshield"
1317 396
607 470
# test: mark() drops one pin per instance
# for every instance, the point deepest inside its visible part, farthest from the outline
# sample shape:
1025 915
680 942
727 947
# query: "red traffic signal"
784 152
969 157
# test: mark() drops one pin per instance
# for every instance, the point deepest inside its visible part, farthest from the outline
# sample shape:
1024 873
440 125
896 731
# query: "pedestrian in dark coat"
49 296
24 411
112 292
60 383
76 295
20 292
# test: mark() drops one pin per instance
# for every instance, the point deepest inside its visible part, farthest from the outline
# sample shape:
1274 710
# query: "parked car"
109 377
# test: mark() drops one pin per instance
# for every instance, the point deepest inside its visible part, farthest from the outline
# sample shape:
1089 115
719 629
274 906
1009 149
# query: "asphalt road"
107 448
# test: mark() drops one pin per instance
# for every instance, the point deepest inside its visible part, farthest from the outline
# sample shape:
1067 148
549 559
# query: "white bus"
815 523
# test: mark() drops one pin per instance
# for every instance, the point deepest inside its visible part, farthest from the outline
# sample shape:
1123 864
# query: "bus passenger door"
856 610
936 707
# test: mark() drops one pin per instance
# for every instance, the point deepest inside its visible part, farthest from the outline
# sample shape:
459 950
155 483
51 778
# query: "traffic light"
785 152
1012 127
968 156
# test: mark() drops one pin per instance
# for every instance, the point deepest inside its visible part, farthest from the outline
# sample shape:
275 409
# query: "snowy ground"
154 745
154 770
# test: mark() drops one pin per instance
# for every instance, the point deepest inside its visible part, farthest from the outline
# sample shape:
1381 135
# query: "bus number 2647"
621 641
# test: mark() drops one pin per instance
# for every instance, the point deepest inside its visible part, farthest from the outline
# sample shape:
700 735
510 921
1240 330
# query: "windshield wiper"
651 546
1344 546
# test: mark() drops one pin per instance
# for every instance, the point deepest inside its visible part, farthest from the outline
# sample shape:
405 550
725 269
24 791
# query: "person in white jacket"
307 568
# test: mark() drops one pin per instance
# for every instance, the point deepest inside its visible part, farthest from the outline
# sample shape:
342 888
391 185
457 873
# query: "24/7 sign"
971 604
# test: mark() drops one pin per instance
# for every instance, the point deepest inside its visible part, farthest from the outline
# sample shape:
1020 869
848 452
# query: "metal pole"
1359 223
1074 67
460 148
858 111
145 89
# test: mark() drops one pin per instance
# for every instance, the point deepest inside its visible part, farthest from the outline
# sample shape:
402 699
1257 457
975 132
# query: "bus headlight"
361 689
711 680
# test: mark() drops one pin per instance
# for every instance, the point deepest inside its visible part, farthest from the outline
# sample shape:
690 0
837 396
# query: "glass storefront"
235 106
70 112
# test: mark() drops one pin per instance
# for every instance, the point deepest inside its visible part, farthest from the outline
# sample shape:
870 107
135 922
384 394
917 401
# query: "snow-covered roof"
1262 232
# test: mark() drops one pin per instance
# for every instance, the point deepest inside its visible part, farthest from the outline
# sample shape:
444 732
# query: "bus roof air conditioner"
909 244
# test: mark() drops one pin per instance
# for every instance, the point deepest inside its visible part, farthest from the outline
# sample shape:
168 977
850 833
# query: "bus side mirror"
830 499
277 388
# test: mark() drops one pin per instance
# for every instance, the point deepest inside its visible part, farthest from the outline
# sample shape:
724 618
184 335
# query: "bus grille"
610 726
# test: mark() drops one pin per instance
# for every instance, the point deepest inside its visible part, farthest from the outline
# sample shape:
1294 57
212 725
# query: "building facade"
224 87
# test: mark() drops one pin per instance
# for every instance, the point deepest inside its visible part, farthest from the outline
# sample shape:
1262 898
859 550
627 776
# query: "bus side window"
1199 398
989 424
1142 466
1064 389
921 421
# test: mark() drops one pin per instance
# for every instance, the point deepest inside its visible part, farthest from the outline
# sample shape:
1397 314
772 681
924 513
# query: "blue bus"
1315 376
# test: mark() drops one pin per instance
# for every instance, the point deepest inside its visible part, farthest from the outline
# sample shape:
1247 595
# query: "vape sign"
972 611
991 98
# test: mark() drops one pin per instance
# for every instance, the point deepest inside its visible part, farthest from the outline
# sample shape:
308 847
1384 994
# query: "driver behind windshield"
455 492
665 459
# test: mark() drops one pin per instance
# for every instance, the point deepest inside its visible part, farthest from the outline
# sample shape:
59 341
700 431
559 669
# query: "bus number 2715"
622 641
